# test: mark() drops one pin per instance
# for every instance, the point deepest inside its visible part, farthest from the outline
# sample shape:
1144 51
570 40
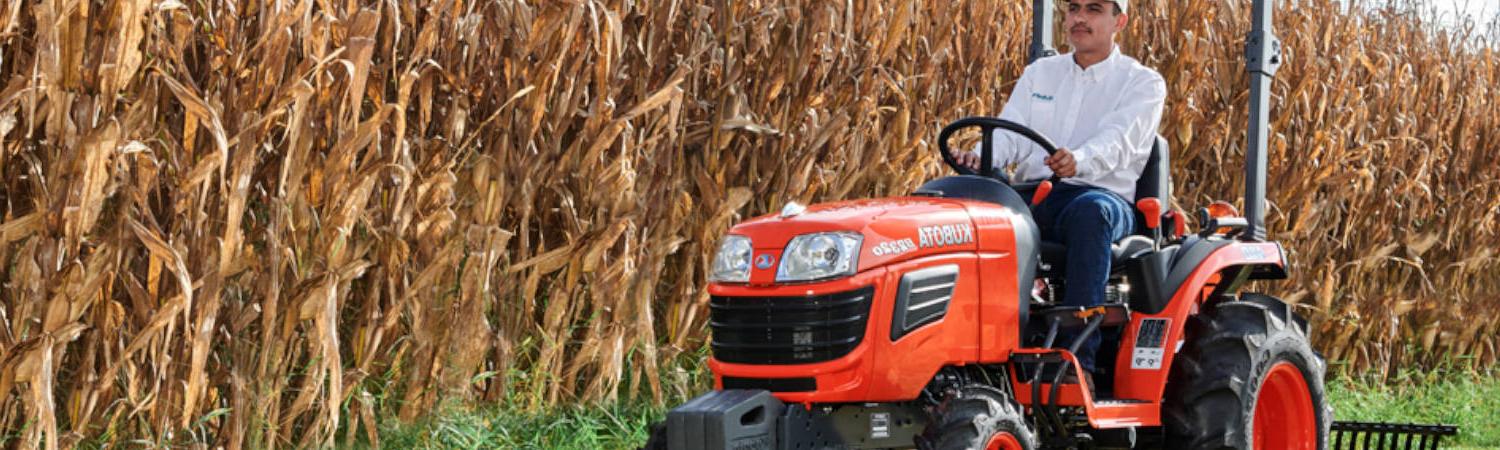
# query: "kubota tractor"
929 320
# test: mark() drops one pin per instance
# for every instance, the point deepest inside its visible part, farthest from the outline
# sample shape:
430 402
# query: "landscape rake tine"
1384 435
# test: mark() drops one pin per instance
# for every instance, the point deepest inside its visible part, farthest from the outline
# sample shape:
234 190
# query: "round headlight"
820 256
732 262
821 252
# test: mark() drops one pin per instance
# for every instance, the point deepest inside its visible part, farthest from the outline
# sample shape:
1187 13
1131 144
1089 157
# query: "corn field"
278 223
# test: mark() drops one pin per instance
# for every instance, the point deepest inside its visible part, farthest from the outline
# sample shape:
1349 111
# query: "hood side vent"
923 298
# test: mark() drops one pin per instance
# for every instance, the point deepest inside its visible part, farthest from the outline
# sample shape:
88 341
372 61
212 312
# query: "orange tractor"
928 320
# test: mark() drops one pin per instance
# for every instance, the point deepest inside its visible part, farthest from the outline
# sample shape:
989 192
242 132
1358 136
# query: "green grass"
508 425
615 427
1470 401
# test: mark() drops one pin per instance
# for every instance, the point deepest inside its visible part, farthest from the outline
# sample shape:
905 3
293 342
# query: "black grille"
772 384
788 330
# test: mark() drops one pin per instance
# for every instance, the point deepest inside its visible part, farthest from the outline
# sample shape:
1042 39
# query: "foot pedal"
1078 316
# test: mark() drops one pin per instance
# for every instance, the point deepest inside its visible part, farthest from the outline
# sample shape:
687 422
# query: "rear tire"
1219 380
978 417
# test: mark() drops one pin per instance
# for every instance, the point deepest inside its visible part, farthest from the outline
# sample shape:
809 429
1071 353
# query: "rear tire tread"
1216 378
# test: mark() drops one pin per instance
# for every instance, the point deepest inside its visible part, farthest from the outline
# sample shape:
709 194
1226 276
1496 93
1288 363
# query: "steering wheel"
988 125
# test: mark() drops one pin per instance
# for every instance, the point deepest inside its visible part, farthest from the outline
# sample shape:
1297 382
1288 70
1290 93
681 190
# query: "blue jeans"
1086 220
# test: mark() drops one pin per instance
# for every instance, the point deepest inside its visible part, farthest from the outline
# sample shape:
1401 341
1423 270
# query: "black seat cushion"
1156 177
1054 255
1155 182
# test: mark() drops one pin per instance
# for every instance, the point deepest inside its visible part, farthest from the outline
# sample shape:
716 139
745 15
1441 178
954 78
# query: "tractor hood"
894 229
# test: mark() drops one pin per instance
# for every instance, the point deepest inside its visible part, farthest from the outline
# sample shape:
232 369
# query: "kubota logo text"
945 235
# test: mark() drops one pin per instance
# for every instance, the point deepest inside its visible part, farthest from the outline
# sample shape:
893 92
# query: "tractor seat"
1054 256
1155 182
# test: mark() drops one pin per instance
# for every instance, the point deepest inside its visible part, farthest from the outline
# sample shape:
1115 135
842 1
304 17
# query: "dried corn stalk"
247 224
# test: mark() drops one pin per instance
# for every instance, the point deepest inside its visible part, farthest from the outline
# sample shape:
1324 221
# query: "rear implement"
1389 436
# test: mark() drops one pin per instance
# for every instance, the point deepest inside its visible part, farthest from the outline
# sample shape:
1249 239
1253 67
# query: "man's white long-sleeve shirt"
1105 115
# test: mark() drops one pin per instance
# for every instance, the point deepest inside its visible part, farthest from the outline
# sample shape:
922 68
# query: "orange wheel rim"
1284 417
1003 441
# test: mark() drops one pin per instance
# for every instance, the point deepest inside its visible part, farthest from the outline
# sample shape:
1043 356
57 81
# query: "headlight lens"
820 256
732 263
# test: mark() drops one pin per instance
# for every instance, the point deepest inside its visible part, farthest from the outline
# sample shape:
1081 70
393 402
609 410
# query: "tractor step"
1392 436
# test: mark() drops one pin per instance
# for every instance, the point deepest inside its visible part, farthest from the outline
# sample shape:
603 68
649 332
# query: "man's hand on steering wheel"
1062 163
968 159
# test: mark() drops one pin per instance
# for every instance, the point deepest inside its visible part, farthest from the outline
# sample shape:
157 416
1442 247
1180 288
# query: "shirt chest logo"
1045 98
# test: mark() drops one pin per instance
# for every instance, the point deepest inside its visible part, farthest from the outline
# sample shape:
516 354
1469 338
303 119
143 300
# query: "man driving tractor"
1102 108
885 323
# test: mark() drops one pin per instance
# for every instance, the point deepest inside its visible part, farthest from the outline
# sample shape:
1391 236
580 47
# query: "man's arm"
1125 133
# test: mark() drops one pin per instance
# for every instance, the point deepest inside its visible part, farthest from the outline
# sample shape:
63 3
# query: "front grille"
788 330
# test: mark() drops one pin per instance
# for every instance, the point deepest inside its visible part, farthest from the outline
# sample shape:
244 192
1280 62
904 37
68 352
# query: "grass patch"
1466 399
509 425
623 426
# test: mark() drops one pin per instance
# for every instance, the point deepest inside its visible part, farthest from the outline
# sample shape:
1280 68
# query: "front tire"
1247 378
978 417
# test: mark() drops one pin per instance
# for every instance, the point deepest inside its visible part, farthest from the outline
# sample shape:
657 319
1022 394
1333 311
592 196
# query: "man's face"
1092 24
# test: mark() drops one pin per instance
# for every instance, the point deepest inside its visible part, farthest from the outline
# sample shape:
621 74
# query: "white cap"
1123 4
